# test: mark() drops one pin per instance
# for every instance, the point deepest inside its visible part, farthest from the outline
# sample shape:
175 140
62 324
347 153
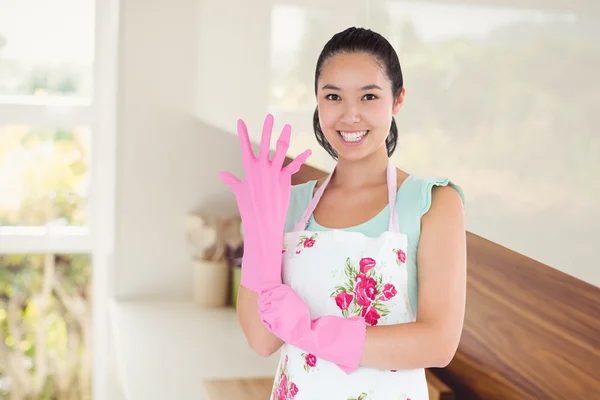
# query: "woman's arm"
263 342
432 340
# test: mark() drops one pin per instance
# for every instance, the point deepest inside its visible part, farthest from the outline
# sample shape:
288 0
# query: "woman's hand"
336 339
263 199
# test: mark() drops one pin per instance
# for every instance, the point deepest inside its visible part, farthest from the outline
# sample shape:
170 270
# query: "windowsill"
166 350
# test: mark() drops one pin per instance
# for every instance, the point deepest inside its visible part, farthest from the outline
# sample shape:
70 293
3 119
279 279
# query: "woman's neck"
369 171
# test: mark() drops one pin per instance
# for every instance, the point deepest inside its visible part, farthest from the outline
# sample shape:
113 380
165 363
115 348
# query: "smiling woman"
366 289
357 88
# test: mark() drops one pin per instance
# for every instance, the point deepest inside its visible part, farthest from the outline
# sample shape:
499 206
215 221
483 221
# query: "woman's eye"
332 97
370 97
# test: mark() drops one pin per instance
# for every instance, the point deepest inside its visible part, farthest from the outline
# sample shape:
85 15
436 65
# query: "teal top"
413 200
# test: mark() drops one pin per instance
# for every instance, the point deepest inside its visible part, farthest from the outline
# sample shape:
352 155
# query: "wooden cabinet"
260 389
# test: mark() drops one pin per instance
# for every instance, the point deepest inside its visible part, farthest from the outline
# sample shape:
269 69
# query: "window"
44 175
44 309
46 48
47 65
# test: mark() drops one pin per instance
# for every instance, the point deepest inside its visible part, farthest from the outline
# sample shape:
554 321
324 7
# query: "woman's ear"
398 102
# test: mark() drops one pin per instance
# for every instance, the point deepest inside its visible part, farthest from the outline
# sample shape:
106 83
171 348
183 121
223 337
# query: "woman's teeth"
352 136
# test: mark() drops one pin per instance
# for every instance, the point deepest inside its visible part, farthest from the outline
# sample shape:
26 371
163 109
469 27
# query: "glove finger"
245 145
297 162
265 141
230 180
283 144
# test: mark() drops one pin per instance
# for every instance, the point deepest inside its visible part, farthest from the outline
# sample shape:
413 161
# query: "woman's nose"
351 115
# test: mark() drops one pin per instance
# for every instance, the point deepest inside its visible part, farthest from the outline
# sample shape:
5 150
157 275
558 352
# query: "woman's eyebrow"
368 87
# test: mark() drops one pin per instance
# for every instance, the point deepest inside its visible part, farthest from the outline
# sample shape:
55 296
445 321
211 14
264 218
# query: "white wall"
167 160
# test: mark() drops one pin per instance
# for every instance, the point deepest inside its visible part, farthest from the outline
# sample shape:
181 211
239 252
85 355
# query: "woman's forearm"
263 342
433 339
408 346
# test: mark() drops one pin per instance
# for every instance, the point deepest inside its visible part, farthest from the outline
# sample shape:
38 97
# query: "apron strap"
392 192
392 185
303 223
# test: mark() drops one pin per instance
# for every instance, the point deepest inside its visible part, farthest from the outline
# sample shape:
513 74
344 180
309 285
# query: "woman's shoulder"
417 191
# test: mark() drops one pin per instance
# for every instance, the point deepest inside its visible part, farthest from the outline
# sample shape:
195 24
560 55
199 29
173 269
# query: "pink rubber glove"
336 339
263 199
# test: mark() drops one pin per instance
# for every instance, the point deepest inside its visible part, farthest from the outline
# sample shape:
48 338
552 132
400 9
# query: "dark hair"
360 40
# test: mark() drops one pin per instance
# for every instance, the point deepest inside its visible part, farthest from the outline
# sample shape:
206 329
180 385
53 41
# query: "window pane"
45 309
44 175
46 47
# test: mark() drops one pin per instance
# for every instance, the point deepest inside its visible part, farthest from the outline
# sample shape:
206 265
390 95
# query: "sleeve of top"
426 190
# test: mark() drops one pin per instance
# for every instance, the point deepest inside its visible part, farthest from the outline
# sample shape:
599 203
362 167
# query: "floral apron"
347 274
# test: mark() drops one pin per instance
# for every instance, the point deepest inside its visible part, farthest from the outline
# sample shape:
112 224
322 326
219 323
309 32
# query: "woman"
367 287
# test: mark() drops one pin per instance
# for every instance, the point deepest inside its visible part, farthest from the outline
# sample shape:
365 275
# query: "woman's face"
355 102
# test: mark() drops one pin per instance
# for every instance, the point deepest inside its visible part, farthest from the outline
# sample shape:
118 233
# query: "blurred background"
115 118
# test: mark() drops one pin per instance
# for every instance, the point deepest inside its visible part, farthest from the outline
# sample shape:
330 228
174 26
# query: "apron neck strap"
392 185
